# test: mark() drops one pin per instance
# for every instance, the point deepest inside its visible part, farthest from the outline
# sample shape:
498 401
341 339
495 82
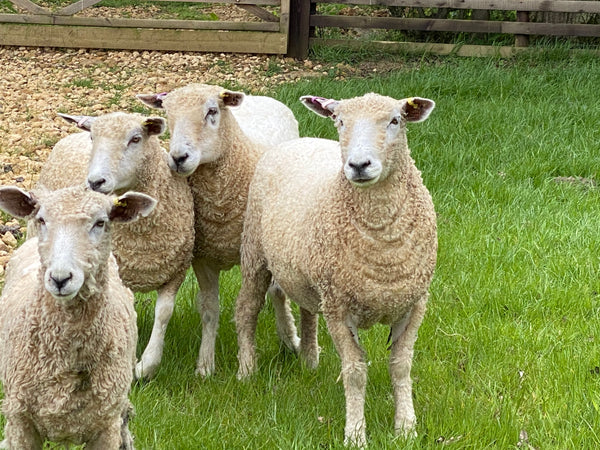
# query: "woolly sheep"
347 229
120 152
217 146
68 327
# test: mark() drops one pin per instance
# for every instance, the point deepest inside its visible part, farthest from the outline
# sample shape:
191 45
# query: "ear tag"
120 203
411 102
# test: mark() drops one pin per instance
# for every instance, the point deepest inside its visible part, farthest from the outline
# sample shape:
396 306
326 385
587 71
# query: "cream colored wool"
360 254
67 365
153 253
224 142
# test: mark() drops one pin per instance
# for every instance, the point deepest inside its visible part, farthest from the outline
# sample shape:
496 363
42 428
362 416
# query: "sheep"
347 229
68 326
217 147
119 152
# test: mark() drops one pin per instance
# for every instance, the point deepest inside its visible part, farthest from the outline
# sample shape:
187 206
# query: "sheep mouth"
363 180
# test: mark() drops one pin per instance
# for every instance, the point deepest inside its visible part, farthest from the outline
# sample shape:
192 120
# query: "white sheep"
121 152
67 325
347 229
216 139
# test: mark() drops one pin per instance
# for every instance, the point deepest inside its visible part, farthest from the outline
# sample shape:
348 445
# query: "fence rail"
39 26
521 28
282 26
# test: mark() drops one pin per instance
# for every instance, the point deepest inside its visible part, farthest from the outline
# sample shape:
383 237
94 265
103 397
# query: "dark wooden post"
522 40
299 28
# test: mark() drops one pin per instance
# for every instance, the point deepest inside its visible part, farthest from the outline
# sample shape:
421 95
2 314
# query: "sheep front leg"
207 303
284 320
354 376
404 335
163 310
108 439
249 302
20 433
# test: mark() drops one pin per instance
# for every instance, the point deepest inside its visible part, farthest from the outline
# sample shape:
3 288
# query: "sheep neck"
377 212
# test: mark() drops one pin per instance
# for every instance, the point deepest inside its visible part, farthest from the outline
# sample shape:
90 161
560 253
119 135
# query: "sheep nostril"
60 282
180 159
360 166
96 184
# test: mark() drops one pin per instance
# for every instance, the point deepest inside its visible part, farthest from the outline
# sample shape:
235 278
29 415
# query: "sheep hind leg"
404 335
249 302
354 377
207 303
163 310
309 344
284 320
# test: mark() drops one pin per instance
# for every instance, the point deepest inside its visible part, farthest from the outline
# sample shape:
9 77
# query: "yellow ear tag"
411 102
145 123
223 94
120 203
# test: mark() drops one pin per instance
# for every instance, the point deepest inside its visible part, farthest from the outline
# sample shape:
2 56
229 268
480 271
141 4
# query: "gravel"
36 83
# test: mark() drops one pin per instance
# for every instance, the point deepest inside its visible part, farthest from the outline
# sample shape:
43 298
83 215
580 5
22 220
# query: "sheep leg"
207 303
163 310
21 433
109 438
250 301
284 320
354 376
404 335
309 344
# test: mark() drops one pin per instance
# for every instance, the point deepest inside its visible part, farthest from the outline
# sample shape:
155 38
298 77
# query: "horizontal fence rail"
39 26
521 28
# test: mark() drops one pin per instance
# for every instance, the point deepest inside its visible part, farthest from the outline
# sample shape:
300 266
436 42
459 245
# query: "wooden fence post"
299 28
522 40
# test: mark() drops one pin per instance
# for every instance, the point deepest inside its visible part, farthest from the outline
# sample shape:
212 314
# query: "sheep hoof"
205 370
145 371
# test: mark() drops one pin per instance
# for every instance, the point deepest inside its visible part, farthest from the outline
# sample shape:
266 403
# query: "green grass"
510 342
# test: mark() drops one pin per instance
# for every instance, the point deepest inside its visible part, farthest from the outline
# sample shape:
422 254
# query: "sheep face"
73 229
118 143
195 115
372 132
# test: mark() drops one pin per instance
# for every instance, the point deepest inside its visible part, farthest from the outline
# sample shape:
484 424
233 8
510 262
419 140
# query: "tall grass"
507 355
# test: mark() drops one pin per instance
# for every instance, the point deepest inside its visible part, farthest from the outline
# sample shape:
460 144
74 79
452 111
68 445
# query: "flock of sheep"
346 229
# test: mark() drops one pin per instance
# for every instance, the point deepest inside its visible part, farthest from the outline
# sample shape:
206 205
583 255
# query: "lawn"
507 356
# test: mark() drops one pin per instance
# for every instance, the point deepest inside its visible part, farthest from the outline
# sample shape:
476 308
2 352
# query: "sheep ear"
231 98
83 122
17 202
324 107
154 125
417 109
152 100
131 206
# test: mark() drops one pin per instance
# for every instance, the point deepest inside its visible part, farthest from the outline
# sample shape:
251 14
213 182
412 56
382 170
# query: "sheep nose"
95 185
359 166
61 280
179 160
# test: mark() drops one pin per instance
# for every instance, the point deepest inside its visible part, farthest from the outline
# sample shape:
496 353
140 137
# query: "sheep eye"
394 121
135 139
41 221
211 112
100 224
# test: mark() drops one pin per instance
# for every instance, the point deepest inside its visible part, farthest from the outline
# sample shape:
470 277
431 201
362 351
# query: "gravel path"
36 83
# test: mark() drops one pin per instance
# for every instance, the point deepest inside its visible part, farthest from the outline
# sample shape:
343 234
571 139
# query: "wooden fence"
284 26
305 12
34 25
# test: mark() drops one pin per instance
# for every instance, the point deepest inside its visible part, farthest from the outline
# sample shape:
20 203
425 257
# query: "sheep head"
195 115
118 148
73 229
372 131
